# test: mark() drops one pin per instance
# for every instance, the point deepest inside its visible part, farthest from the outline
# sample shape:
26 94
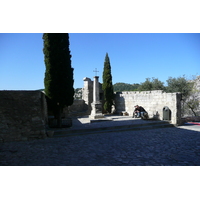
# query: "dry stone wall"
23 115
153 102
78 108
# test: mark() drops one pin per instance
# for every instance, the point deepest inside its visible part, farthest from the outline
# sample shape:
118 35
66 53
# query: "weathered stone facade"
152 101
78 108
87 93
23 115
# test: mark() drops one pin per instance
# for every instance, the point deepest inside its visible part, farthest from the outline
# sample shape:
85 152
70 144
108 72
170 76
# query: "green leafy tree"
146 86
181 84
107 85
192 103
78 93
119 87
58 79
157 84
153 84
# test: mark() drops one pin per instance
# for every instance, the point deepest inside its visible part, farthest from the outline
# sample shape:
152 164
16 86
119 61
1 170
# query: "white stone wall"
152 101
87 91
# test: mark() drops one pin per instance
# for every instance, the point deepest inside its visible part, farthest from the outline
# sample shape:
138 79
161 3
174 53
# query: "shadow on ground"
171 146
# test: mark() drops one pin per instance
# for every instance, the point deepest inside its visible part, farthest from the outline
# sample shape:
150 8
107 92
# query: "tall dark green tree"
58 79
107 85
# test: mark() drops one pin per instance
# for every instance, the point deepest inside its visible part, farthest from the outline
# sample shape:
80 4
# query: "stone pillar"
96 90
96 104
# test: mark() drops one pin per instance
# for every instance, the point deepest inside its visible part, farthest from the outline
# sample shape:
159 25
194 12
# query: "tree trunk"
59 117
192 110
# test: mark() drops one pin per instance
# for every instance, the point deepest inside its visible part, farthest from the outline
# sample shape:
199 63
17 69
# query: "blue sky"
133 57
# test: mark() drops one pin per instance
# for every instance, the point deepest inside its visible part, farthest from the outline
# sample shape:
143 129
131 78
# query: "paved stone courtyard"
157 147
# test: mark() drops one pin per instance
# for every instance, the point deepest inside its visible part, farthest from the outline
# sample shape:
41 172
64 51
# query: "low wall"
78 108
152 101
190 119
23 115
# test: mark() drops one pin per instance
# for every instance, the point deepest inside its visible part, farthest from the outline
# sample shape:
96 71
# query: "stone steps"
134 127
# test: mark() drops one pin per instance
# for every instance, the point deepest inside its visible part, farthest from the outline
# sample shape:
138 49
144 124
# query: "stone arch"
167 114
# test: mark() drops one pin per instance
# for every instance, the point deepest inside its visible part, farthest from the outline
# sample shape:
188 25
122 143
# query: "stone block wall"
152 101
23 115
78 108
87 93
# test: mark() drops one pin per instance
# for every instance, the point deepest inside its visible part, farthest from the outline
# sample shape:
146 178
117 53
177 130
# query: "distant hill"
119 87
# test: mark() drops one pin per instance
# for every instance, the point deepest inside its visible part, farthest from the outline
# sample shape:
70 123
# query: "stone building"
23 114
156 102
83 106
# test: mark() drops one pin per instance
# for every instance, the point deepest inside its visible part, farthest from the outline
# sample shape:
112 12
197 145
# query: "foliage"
189 98
180 84
188 88
58 79
153 84
78 93
119 87
192 102
107 85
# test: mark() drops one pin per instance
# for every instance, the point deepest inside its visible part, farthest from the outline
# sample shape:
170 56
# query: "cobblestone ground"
168 147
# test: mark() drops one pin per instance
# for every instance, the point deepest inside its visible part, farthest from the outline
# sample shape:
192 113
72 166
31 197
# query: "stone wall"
87 93
23 115
78 108
152 101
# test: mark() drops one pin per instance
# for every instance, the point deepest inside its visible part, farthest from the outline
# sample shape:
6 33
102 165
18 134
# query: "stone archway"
167 114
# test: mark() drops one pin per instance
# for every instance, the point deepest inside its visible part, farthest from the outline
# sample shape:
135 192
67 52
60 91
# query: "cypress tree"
107 85
58 79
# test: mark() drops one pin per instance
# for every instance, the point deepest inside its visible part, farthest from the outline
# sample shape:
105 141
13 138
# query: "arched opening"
166 113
